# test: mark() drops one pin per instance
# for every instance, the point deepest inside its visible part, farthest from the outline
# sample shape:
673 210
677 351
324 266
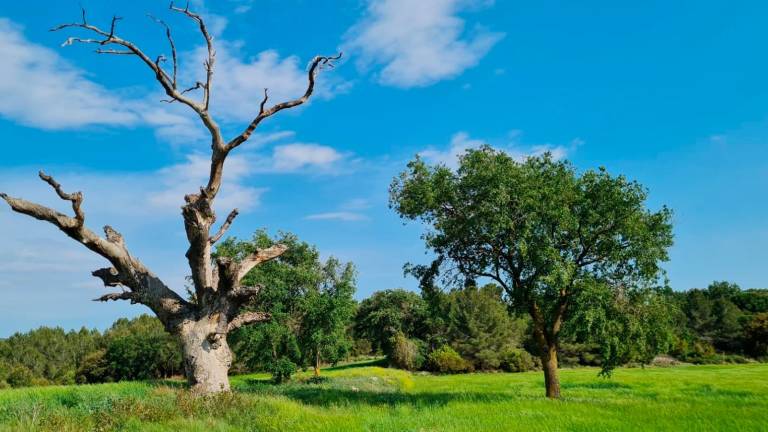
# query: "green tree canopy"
310 302
387 314
539 229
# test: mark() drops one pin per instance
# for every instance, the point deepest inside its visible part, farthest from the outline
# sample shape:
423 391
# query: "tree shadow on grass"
596 385
325 397
381 362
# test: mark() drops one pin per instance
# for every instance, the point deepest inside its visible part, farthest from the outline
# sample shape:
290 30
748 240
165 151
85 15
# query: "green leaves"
544 232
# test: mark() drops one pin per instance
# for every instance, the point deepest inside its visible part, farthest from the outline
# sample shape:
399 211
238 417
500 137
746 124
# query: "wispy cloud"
417 43
39 88
338 216
241 80
292 157
349 211
514 146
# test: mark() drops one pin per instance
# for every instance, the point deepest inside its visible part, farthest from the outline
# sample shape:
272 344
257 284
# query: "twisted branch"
316 64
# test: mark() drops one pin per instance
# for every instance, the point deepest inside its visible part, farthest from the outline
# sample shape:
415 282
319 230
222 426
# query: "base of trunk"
206 360
551 375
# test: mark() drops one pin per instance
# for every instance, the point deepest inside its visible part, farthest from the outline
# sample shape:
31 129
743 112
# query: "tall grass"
700 398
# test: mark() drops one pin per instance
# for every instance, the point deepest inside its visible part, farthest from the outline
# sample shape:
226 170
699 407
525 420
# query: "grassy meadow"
369 398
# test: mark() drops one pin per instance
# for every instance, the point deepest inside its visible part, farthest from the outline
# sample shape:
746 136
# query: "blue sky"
671 93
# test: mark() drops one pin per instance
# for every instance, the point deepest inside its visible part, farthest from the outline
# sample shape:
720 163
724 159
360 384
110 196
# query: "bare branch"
114 236
316 64
109 275
225 226
248 318
128 271
171 43
76 198
246 293
125 295
211 51
264 101
258 257
113 51
197 85
167 82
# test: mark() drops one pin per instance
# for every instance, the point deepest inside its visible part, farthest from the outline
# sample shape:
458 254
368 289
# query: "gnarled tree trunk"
203 324
206 361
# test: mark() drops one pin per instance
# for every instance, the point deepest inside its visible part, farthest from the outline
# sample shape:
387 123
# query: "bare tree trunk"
551 374
317 362
206 361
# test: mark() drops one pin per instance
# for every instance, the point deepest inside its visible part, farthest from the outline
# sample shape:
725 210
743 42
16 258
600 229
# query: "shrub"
519 360
757 335
406 353
20 376
93 369
282 370
446 360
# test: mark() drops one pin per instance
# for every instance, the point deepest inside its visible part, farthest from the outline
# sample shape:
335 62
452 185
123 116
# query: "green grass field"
364 397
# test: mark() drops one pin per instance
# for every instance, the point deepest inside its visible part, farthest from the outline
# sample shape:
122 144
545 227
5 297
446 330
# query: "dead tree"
201 325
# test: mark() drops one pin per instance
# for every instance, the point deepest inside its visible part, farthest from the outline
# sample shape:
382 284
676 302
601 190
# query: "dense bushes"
458 331
756 335
446 360
405 353
519 360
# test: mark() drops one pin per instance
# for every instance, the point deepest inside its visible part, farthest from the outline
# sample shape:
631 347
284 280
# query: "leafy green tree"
611 316
539 229
282 283
327 312
134 349
310 304
388 314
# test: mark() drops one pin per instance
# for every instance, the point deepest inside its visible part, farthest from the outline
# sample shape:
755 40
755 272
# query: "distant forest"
447 332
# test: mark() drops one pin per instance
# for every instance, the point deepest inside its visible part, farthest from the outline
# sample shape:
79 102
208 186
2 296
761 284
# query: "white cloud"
239 80
344 216
39 88
291 157
418 43
461 142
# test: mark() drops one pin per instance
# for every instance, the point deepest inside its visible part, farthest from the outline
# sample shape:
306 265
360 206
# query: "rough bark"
551 374
201 325
547 341
206 359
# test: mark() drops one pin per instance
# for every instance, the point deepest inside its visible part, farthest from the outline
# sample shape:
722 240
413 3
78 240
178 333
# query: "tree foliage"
388 314
310 302
539 229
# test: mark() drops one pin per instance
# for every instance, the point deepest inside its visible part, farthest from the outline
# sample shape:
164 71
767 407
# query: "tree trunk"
317 363
206 361
551 375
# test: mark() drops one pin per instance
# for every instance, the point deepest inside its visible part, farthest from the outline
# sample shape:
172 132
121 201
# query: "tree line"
454 331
